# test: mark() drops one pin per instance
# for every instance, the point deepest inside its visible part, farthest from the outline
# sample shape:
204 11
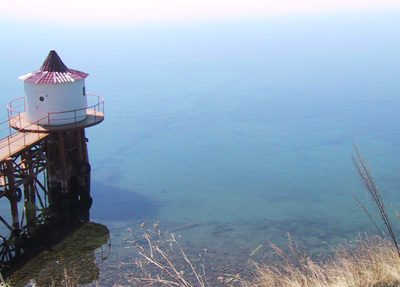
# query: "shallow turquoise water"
244 129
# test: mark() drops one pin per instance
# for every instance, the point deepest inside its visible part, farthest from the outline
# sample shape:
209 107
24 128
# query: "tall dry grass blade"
280 253
198 277
300 256
374 194
369 216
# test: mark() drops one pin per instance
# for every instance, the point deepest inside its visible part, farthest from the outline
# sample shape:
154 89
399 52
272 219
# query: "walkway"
16 141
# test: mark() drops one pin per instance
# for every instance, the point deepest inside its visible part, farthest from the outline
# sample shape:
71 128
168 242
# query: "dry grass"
4 283
70 279
164 252
366 262
369 262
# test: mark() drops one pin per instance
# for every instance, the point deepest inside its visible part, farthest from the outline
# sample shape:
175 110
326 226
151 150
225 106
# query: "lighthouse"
55 90
57 106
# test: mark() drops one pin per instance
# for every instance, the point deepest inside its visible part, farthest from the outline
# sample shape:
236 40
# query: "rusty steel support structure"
63 166
52 172
23 169
52 169
12 193
68 178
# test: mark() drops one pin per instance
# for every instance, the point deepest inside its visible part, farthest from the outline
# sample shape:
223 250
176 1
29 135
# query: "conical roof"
53 71
53 63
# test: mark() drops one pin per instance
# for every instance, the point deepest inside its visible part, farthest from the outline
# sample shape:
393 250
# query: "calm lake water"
230 134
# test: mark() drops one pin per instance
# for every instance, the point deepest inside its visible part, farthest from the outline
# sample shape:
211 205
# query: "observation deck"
17 134
93 116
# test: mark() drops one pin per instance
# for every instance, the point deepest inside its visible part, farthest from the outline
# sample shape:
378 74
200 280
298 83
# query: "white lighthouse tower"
54 94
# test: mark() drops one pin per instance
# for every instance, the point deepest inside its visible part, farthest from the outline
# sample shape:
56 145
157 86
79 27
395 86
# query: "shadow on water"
117 204
56 241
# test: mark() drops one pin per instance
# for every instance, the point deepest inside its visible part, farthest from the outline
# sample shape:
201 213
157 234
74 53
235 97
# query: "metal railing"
10 136
14 108
94 107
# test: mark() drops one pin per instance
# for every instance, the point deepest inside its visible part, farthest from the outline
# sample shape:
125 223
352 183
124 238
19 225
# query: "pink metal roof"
53 71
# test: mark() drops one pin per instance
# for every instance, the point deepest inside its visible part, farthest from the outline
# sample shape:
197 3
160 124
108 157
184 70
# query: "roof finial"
53 63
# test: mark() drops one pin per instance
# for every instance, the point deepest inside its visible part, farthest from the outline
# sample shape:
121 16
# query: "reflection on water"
74 252
61 242
69 241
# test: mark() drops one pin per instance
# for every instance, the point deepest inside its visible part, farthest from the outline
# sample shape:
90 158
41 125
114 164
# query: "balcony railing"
95 109
12 140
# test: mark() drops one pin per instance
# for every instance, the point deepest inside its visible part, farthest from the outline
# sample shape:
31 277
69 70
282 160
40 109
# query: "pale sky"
159 11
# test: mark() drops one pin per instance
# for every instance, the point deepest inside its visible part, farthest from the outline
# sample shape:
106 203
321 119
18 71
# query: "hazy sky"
159 11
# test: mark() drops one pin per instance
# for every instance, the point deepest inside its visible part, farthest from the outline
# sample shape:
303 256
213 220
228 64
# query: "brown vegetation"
165 253
370 261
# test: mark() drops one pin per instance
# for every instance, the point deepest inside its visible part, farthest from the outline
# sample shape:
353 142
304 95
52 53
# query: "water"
231 133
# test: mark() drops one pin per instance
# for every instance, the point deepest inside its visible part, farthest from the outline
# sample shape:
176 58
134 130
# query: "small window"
84 91
41 95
